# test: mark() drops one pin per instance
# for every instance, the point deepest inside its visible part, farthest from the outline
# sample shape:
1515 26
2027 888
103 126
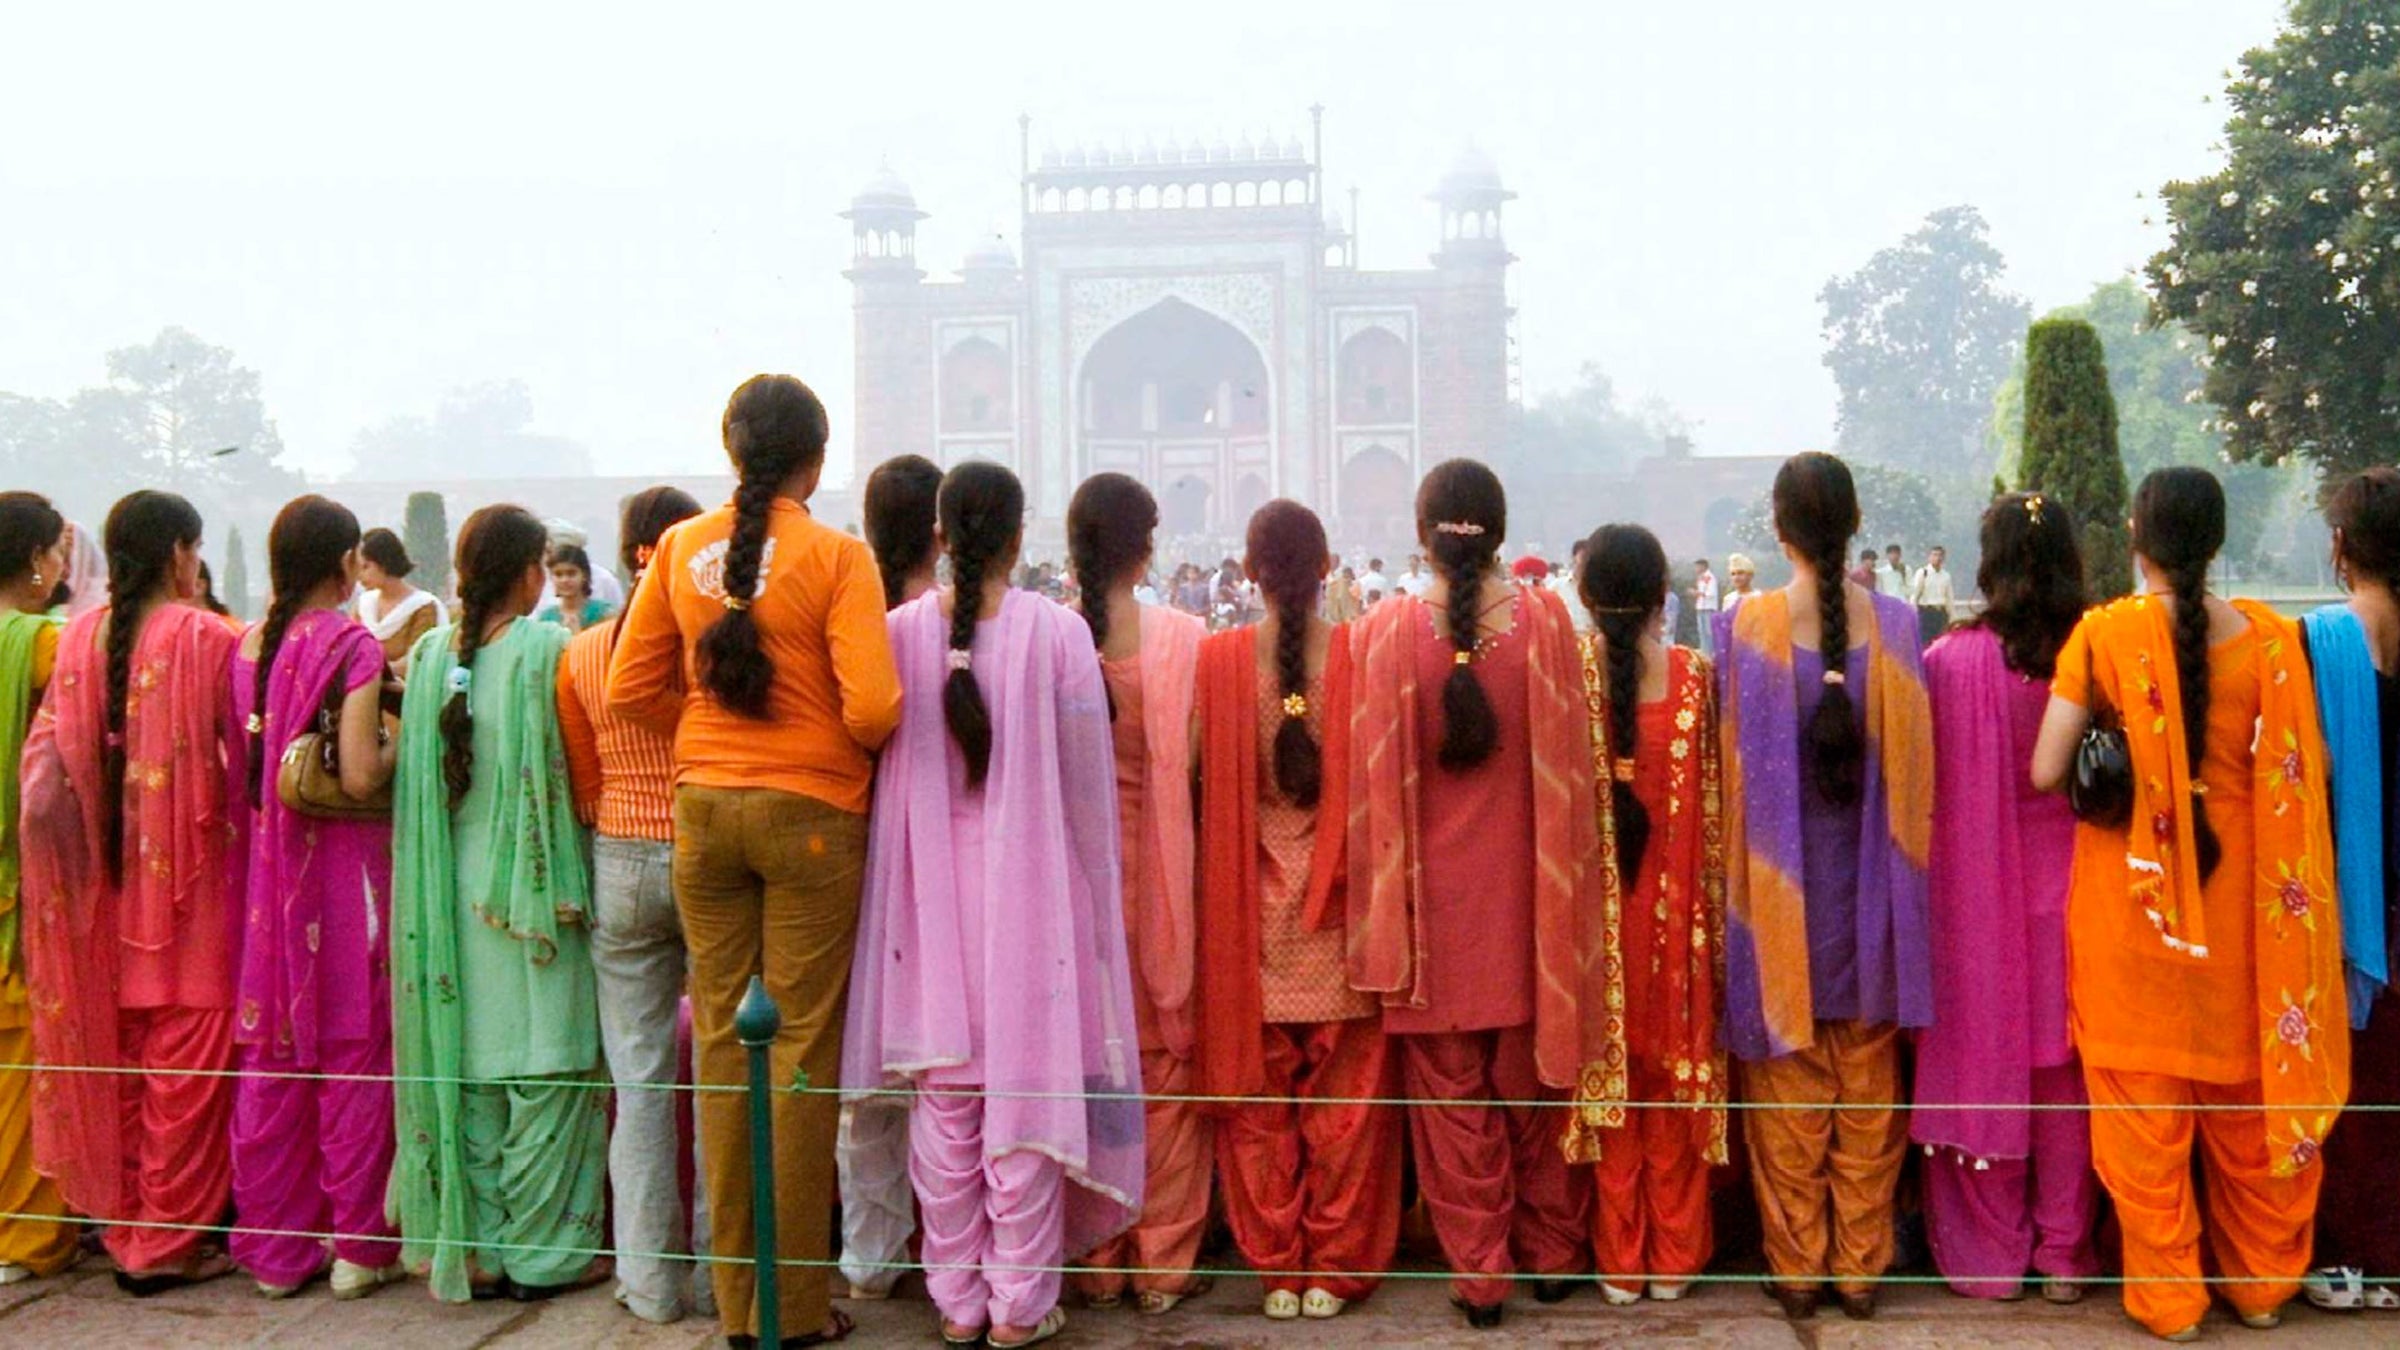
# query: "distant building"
1193 315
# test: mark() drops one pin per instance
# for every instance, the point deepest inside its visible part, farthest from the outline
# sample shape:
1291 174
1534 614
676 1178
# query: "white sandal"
1282 1305
1319 1304
2336 1288
1052 1323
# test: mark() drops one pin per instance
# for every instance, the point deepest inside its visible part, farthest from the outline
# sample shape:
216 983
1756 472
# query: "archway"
1176 394
1378 500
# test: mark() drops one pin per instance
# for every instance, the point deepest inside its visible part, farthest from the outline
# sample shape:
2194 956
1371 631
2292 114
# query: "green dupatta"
536 883
18 632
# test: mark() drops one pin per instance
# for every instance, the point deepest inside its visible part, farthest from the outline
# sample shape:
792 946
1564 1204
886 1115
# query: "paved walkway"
84 1309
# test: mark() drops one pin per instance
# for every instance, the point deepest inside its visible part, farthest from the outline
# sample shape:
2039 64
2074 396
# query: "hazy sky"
632 209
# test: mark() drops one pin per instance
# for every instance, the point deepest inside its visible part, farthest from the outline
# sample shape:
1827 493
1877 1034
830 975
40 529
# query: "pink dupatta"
83 935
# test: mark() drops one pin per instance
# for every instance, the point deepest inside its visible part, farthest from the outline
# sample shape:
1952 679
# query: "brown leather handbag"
309 780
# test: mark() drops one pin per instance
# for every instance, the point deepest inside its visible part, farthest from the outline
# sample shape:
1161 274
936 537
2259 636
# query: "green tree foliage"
1560 444
2163 419
2286 261
425 532
2070 451
477 431
1895 506
175 413
235 591
1917 340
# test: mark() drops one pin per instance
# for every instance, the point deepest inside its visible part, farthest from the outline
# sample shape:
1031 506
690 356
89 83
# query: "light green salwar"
17 634
490 913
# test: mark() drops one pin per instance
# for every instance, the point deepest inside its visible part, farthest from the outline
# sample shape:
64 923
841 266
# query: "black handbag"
2100 784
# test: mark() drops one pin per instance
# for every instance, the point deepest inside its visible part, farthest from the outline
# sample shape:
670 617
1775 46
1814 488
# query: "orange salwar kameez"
1312 1185
1657 982
2189 997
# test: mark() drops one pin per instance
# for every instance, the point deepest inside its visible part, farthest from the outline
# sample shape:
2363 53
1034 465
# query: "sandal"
973 1337
1158 1302
1052 1323
205 1265
2336 1288
839 1331
1319 1304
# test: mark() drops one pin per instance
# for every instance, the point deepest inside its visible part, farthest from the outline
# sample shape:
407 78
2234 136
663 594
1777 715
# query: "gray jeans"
637 955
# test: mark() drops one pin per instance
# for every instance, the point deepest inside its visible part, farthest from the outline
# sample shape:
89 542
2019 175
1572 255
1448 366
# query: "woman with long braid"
502 1165
1473 854
133 844
991 977
1828 745
1147 655
624 790
1655 765
34 544
1312 1181
2204 959
879 1208
314 1155
757 640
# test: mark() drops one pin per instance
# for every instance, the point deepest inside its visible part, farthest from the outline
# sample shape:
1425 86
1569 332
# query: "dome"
1335 226
1073 159
1472 171
1247 150
1050 156
886 189
990 254
1219 151
1291 148
1193 152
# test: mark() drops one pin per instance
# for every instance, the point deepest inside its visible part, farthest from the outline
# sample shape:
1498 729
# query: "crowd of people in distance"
359 943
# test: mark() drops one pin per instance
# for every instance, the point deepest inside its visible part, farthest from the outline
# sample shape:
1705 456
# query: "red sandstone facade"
1195 316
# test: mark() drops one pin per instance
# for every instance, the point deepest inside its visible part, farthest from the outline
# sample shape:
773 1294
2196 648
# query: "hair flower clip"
1836 677
462 679
2033 507
961 658
1467 528
257 725
1295 705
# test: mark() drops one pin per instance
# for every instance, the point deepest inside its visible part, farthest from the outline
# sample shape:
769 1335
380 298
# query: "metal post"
756 1022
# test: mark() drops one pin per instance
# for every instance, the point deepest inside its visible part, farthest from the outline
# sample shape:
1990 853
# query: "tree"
1917 340
2285 261
237 575
476 431
425 532
2071 445
1559 446
1894 507
178 414
2155 374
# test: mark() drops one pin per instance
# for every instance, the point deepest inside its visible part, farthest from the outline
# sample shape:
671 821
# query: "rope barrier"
903 1094
1731 1278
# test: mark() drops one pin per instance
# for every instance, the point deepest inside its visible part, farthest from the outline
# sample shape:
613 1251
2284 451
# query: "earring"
37 580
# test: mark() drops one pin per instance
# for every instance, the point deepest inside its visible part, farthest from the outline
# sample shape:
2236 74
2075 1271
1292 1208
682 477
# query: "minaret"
891 391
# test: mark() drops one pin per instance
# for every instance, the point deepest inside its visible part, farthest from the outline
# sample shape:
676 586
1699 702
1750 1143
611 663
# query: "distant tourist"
1864 573
1891 575
1416 580
575 608
1373 578
1704 603
1930 591
396 612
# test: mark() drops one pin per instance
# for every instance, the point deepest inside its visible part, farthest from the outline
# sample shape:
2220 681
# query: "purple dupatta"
1058 1052
1769 1010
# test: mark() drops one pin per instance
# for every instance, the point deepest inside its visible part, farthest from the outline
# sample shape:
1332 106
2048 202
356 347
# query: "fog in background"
631 209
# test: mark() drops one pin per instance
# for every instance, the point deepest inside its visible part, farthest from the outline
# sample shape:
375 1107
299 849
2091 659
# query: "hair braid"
496 547
2189 582
1837 758
129 607
308 545
458 718
280 612
982 508
1286 555
773 427
1623 583
1462 515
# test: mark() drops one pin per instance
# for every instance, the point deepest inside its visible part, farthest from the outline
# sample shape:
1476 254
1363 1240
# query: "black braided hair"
1462 517
2031 577
899 505
1286 555
2365 515
982 510
774 428
142 534
2179 524
645 516
1109 523
496 548
308 545
29 527
1816 513
1623 583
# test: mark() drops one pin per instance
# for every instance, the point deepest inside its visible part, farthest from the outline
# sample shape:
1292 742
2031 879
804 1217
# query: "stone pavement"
83 1309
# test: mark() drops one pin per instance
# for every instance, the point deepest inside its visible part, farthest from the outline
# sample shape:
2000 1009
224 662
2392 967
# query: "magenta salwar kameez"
312 1155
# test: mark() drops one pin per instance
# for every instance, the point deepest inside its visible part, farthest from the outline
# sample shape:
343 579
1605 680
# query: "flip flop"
1052 1323
205 1266
838 1332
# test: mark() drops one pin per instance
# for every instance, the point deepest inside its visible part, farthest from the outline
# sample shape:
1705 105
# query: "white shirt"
1704 593
1416 583
1373 582
1562 584
1891 581
1932 589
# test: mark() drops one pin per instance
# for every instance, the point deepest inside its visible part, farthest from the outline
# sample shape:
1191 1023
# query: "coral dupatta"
2300 1022
82 931
1231 1051
1681 973
1386 899
1162 936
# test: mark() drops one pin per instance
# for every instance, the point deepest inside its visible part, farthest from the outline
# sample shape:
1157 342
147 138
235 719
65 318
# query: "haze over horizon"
631 217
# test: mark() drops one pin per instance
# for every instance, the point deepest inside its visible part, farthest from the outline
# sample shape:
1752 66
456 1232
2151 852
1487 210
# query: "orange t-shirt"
2136 1004
819 609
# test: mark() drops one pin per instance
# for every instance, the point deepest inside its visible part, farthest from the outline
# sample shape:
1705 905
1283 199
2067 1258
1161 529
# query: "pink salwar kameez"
312 1155
991 971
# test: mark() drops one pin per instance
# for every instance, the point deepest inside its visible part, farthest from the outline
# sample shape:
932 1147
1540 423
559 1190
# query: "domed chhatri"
886 189
1472 172
990 253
